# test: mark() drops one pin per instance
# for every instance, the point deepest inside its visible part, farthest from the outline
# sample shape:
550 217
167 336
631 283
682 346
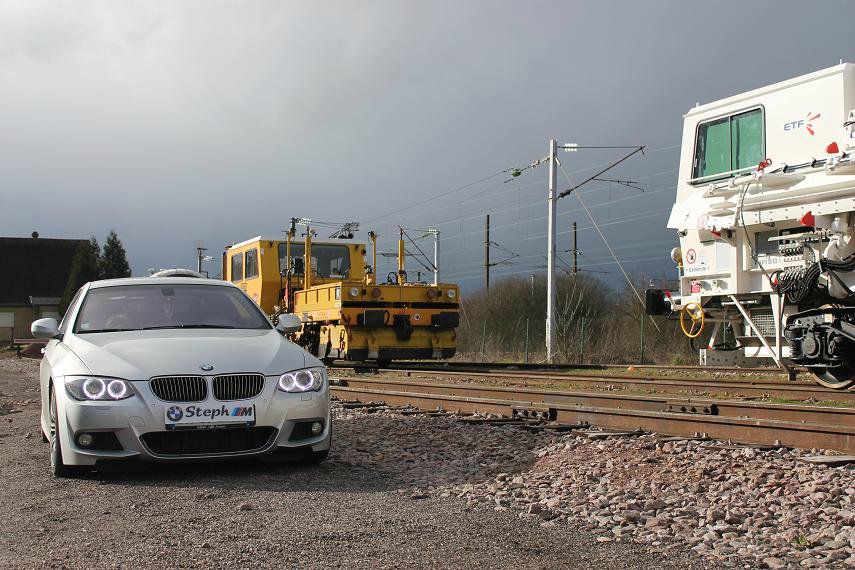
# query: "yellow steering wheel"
696 314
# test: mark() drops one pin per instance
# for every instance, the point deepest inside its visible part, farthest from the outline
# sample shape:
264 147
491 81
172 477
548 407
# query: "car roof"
160 281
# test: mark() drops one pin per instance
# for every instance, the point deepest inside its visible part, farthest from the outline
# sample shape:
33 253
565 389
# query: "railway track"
744 383
792 425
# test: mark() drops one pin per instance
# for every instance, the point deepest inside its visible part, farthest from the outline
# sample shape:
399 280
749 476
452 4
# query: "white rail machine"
765 213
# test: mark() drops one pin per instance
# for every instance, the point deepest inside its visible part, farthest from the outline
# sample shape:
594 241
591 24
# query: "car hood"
139 355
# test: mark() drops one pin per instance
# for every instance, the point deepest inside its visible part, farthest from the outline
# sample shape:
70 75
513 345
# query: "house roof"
34 267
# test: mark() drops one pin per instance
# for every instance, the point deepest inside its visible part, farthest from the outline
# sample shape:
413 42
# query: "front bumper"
140 427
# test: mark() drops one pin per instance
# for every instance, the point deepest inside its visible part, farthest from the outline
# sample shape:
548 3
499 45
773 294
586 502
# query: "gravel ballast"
420 491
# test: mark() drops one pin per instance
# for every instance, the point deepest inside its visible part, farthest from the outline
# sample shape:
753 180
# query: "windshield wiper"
186 327
104 330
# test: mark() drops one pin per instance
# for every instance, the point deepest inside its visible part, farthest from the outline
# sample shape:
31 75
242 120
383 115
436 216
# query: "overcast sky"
174 122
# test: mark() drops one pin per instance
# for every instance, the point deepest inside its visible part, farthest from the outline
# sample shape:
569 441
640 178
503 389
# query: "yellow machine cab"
346 312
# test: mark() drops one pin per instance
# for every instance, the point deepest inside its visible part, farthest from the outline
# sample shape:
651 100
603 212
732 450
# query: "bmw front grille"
179 388
237 386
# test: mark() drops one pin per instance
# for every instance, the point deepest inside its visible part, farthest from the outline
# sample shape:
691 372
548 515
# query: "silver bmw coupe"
159 369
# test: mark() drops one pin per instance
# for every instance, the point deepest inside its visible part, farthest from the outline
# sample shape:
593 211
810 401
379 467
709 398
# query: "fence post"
641 350
526 340
582 343
483 340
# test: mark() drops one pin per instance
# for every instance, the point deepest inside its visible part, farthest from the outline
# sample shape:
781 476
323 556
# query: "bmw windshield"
160 306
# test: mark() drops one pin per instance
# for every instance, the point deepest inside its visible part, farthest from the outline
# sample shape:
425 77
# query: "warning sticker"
691 257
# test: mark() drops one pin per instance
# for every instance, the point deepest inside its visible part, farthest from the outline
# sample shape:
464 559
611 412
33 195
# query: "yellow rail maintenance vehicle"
346 312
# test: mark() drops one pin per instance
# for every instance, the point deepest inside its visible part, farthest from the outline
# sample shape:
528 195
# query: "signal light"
808 220
832 148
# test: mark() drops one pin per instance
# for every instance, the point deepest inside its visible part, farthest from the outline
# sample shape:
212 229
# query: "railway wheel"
838 378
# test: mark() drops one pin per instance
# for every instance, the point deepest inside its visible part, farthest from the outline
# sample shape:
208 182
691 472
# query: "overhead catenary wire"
524 219
599 262
490 177
602 235
499 208
638 216
432 198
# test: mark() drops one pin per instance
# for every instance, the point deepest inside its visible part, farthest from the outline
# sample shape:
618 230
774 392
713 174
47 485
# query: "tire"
57 465
318 457
315 457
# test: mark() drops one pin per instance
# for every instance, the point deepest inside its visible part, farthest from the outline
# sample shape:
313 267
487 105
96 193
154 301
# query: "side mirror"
45 328
288 323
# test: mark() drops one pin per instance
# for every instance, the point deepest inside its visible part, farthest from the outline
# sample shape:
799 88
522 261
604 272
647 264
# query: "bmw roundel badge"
206 367
175 413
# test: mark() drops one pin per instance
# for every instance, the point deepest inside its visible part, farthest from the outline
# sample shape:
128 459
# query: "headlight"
97 388
308 380
452 293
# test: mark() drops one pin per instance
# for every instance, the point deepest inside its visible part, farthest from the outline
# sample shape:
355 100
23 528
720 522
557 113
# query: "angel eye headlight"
97 388
307 380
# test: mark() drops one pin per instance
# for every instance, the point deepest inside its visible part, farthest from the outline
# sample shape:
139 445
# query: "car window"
65 319
165 306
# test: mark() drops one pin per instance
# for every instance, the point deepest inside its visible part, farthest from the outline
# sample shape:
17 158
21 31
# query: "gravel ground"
386 498
733 507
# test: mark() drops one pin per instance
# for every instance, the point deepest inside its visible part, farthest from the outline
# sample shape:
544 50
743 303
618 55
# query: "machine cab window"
328 261
728 146
237 267
251 264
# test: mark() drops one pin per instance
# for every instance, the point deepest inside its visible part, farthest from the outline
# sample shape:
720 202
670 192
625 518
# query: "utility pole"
575 251
487 253
550 257
200 257
435 257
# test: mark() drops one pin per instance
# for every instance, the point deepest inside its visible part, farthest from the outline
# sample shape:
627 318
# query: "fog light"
85 439
317 427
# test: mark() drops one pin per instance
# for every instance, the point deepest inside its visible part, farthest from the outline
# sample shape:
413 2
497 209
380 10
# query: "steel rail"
469 365
749 388
746 422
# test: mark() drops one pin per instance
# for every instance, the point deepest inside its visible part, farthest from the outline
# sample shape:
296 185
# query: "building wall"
20 318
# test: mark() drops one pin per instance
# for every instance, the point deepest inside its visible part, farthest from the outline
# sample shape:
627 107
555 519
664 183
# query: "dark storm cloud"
215 121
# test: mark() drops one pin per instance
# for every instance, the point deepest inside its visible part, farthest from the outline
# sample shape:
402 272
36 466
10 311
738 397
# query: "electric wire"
490 177
605 241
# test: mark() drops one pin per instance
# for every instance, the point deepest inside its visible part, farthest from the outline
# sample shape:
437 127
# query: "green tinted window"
729 144
713 148
747 136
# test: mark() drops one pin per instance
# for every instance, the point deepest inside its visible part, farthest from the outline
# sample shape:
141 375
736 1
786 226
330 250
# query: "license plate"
191 415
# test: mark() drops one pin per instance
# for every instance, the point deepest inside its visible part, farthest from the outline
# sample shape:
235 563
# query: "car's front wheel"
318 457
315 457
57 465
